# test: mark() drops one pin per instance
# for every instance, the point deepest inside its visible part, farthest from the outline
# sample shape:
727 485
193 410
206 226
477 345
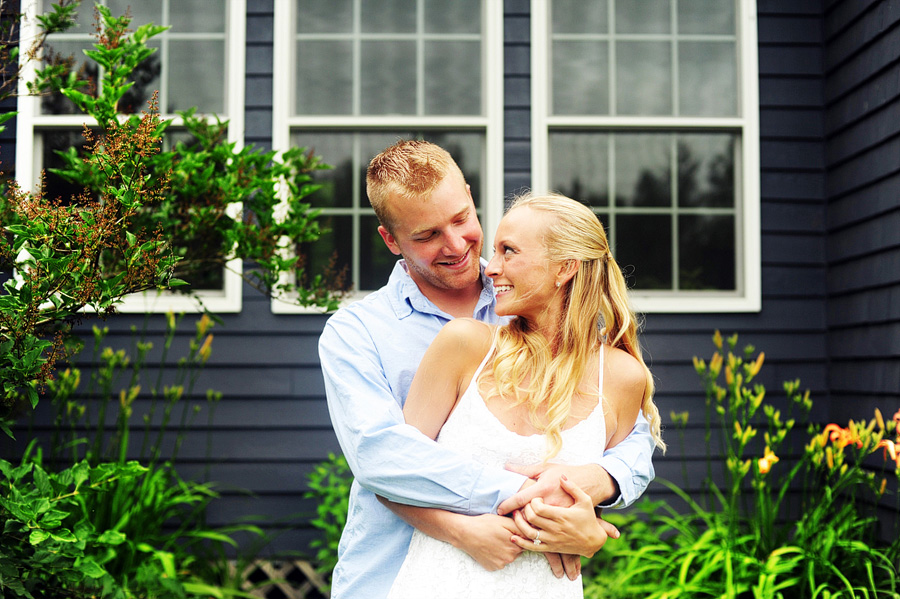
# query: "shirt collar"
406 297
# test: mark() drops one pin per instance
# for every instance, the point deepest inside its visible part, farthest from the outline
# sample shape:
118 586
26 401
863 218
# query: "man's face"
439 237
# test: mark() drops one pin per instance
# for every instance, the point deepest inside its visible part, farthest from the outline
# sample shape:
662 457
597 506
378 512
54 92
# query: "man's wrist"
604 488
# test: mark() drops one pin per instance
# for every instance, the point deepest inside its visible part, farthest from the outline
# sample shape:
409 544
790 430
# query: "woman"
561 382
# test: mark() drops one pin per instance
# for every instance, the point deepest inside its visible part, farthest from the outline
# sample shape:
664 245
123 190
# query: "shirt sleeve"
387 456
630 463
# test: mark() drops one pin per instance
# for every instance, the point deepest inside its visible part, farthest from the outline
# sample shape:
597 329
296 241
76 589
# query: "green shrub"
329 484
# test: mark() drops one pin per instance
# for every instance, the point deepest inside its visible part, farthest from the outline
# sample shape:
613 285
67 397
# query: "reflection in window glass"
452 17
644 78
375 260
388 16
578 16
324 16
397 58
325 69
643 16
579 166
452 78
581 77
643 169
388 77
706 17
706 170
706 252
643 249
197 15
196 76
707 73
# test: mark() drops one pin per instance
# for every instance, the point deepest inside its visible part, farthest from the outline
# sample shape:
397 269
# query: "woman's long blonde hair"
545 374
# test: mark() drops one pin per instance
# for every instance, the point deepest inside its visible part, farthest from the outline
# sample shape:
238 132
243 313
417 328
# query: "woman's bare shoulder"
465 336
625 376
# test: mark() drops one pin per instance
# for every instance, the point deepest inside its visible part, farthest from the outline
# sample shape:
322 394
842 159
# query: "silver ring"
537 538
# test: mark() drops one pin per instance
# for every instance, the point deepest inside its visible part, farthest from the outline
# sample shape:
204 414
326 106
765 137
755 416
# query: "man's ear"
389 240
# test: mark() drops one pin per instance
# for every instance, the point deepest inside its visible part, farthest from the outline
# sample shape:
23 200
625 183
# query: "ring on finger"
537 538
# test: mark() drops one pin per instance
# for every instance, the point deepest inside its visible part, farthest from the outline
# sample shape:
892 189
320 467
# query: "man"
370 351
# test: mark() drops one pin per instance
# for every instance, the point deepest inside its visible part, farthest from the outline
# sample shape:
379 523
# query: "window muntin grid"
628 84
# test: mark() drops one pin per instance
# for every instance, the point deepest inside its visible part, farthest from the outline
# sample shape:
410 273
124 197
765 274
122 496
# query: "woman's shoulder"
467 335
624 372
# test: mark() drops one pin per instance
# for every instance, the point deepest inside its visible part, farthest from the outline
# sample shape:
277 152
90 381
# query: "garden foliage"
784 525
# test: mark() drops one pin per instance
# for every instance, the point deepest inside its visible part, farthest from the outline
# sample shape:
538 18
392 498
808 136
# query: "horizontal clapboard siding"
862 108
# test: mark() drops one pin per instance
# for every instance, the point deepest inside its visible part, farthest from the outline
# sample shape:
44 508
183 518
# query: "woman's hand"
574 530
487 539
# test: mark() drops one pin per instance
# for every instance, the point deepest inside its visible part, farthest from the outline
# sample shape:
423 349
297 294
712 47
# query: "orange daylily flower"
890 448
767 461
842 437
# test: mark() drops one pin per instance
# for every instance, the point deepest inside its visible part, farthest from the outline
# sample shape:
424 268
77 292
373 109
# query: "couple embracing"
485 408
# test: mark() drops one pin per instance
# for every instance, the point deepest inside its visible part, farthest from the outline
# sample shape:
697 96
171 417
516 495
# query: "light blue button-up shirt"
369 352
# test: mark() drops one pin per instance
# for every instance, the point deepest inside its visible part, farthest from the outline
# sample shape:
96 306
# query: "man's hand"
591 478
486 539
567 530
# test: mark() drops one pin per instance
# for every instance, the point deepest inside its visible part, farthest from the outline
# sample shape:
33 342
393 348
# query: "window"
648 111
352 77
199 62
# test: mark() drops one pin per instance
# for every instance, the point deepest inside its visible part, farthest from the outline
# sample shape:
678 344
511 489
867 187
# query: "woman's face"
524 277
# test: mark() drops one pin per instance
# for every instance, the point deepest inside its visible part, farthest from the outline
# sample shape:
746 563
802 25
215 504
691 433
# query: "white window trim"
491 122
228 300
748 297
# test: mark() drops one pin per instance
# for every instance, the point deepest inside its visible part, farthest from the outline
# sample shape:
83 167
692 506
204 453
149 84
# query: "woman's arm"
444 373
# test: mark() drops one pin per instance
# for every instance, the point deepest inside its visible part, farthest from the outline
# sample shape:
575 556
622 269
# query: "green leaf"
38 536
90 568
112 537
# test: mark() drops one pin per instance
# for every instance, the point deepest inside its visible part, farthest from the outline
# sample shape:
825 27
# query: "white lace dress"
434 569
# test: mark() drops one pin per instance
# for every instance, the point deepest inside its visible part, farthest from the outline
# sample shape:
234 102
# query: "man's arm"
387 456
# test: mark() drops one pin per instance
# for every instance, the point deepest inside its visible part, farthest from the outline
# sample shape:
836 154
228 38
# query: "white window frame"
491 122
747 296
28 163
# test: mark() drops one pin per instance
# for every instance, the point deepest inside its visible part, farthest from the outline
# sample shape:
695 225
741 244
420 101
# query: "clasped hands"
554 509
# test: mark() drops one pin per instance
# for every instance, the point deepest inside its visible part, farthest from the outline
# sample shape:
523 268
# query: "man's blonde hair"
411 168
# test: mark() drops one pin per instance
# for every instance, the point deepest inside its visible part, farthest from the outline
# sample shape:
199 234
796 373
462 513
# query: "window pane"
57 103
375 261
707 78
324 16
55 187
388 77
335 149
196 70
207 16
578 16
459 16
706 254
332 251
388 16
324 77
706 170
643 249
643 169
706 16
643 16
580 77
467 150
453 78
643 78
579 166
145 11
